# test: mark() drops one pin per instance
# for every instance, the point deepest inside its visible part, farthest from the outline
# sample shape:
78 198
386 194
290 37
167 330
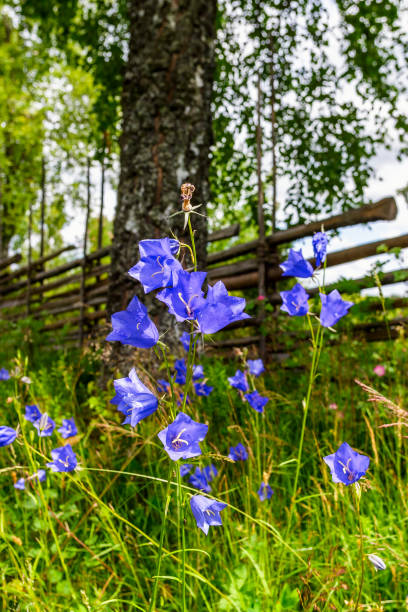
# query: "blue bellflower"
64 459
202 389
346 465
256 366
44 425
206 511
256 401
32 413
133 398
238 453
40 475
220 309
133 326
239 381
186 297
180 439
295 301
4 374
264 492
199 481
20 484
68 428
296 265
198 372
7 435
185 469
158 268
333 308
181 371
319 242
185 340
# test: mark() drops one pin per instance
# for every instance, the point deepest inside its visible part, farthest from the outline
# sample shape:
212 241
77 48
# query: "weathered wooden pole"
84 252
261 221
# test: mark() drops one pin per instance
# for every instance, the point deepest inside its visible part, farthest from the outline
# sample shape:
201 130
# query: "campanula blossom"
378 563
202 389
4 374
181 371
319 242
185 469
238 453
265 491
333 308
133 326
346 465
64 459
44 425
185 340
256 367
68 428
7 435
20 484
198 372
296 265
199 481
32 413
159 268
206 511
163 386
220 309
239 381
256 401
186 296
379 370
295 301
40 475
180 439
133 399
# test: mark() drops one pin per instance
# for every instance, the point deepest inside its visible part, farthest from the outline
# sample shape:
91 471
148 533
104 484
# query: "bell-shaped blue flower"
319 242
68 428
181 371
7 435
296 265
41 475
156 247
347 465
220 309
199 481
159 268
378 563
133 326
4 374
202 389
20 484
44 425
333 308
133 398
180 439
264 492
239 381
256 401
64 459
238 453
32 413
256 366
295 301
206 511
186 297
198 372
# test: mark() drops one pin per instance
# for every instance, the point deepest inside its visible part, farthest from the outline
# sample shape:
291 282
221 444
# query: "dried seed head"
187 190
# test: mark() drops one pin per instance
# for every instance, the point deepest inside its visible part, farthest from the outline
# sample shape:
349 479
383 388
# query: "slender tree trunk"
166 131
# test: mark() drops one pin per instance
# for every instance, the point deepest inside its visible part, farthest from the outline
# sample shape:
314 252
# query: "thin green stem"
183 541
361 548
192 243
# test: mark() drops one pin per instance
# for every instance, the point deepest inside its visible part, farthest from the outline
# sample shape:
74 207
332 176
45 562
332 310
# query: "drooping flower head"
185 469
198 372
378 563
220 309
4 374
40 475
64 459
20 484
44 425
32 413
206 511
346 465
157 266
256 367
68 428
256 401
296 265
295 301
133 398
238 453
379 370
7 435
202 389
180 439
133 326
181 371
199 481
184 299
333 308
319 242
239 381
265 491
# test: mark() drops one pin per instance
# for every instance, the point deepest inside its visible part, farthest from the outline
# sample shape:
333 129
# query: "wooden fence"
79 287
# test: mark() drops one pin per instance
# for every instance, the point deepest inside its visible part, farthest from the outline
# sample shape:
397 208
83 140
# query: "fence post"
261 225
30 224
85 247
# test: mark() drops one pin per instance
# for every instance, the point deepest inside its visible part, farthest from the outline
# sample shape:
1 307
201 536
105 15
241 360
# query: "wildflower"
346 465
379 370
239 381
185 469
256 401
32 413
163 386
333 406
319 242
295 301
133 399
264 491
7 435
68 428
378 563
296 265
198 372
220 309
20 484
40 475
186 296
181 371
157 266
333 308
185 340
180 439
4 374
64 459
256 367
260 298
26 379
133 326
238 453
202 389
199 481
206 511
44 425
